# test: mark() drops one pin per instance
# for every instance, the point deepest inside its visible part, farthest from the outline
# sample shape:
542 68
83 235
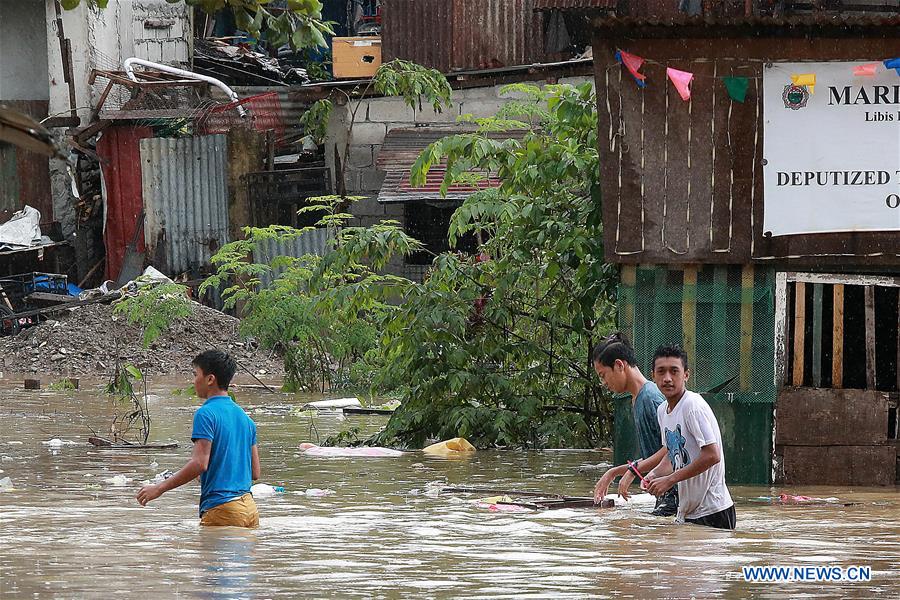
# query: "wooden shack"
788 310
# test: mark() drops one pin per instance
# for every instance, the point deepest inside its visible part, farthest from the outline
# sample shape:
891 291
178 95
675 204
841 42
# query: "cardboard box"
355 56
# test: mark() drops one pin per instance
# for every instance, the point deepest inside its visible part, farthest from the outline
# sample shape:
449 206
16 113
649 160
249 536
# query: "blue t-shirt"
232 434
645 419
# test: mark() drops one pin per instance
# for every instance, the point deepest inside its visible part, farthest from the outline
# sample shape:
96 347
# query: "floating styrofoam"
335 404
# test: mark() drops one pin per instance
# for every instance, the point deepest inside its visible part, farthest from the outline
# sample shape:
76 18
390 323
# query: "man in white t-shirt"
693 444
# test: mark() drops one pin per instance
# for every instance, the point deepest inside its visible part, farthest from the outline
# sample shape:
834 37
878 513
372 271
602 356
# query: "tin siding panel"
311 242
463 34
120 167
185 201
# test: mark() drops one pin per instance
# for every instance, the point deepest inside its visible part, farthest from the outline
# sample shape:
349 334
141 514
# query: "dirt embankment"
86 341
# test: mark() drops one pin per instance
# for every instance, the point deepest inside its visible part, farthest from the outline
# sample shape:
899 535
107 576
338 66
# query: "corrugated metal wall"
25 176
185 200
120 168
463 34
311 242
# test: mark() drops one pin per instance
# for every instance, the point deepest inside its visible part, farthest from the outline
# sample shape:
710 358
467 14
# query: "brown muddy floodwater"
67 531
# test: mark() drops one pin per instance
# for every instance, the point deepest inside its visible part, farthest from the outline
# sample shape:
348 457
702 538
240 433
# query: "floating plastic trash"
58 443
159 477
343 452
6 484
264 490
118 480
335 404
450 447
318 493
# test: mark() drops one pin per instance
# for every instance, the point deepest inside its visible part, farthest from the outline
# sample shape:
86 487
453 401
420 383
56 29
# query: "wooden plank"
689 312
837 341
871 379
818 291
799 332
781 323
884 281
839 465
822 417
746 358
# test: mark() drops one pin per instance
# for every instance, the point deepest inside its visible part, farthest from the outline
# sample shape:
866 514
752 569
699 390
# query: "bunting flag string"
682 82
893 63
807 80
736 86
633 64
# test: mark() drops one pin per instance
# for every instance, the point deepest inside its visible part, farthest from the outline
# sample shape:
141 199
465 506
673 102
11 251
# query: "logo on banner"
795 96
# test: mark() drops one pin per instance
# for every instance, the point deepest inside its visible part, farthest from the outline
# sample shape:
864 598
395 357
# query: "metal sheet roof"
185 200
403 146
311 242
575 4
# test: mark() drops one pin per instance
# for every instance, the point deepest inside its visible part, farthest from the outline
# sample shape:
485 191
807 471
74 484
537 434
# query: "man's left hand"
661 485
148 493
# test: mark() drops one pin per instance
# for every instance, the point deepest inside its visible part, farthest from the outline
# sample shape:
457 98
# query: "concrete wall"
374 118
102 39
23 59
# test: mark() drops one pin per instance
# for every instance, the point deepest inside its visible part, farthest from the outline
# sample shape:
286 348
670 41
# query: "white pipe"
129 70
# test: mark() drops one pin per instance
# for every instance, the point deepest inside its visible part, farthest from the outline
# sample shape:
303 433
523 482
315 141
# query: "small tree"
413 83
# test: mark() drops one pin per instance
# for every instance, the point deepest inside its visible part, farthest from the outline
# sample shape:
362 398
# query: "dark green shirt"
645 420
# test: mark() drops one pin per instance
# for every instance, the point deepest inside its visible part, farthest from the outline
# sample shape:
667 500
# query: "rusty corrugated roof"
403 146
818 22
575 4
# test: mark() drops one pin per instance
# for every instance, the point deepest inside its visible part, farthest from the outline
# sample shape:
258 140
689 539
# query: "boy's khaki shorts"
240 512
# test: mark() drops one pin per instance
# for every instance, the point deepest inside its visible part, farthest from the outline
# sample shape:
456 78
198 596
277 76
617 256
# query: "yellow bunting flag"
807 79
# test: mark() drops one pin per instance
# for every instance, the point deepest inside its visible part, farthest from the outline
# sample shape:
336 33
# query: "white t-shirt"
689 427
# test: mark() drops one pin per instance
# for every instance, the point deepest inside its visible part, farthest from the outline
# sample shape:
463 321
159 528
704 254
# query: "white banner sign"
832 149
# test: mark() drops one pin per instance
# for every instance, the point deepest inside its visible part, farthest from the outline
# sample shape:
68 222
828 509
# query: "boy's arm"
603 485
709 456
254 462
195 466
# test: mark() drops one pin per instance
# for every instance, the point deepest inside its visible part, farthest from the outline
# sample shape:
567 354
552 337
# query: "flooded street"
69 531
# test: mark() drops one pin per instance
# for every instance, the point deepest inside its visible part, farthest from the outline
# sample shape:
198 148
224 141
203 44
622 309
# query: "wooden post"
818 291
837 342
747 280
626 316
799 331
717 373
871 380
689 312
781 328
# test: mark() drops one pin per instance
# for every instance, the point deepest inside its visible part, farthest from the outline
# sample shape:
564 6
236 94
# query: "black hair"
218 363
612 348
671 351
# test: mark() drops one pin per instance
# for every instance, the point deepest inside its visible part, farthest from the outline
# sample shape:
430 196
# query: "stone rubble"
84 342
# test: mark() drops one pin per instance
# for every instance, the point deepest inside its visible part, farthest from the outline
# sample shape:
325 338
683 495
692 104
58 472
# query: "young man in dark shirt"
225 454
614 361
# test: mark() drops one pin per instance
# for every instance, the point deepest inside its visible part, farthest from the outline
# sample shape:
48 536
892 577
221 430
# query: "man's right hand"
603 486
148 493
624 483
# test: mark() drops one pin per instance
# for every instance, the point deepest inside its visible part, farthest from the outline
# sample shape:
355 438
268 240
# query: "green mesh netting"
725 321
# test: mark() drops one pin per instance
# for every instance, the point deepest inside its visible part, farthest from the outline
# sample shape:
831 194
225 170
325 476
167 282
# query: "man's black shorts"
724 519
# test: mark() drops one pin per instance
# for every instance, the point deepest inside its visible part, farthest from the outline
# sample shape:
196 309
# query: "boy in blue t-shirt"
614 361
225 455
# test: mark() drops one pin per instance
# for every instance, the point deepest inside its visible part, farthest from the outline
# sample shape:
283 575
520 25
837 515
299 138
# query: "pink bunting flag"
682 82
633 63
867 70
